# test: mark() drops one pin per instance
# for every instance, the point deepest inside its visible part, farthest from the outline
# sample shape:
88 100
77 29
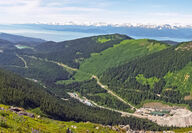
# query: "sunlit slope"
118 54
73 52
11 122
163 75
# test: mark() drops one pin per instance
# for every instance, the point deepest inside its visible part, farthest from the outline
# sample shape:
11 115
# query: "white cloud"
53 4
31 11
11 3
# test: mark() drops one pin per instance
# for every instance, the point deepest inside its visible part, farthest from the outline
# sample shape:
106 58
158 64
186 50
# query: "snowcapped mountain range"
72 30
159 26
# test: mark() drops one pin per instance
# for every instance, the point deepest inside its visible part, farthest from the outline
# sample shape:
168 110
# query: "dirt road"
55 62
23 60
111 92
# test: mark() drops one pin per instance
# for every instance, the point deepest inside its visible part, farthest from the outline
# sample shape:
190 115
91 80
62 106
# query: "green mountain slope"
180 80
14 90
98 63
119 54
73 52
162 76
112 72
50 61
38 69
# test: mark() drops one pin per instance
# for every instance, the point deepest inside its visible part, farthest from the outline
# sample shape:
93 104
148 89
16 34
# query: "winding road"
63 65
23 60
93 76
111 92
55 62
123 114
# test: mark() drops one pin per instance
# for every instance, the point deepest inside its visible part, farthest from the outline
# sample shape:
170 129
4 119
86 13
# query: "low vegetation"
147 81
180 80
14 123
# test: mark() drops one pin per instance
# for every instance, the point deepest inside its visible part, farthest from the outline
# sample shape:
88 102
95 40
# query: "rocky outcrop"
21 111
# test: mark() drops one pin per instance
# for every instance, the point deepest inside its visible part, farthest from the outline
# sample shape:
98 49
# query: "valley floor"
178 117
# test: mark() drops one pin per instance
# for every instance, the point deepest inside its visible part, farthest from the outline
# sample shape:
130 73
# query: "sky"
94 11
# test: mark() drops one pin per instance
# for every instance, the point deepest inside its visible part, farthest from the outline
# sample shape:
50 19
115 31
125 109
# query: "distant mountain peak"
159 26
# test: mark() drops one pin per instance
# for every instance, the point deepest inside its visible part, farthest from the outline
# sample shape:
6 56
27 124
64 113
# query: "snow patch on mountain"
98 24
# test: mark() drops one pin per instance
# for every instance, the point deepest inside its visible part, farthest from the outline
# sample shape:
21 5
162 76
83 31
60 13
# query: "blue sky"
92 11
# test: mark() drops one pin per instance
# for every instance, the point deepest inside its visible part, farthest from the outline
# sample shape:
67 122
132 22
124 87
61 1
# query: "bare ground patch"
166 115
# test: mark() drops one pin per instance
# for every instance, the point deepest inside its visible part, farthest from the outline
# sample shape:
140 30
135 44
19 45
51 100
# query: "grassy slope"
181 79
11 122
117 55
183 130
147 81
106 38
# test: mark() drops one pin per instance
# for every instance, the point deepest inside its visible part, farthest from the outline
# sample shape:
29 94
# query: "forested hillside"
74 52
20 92
159 73
6 45
41 62
119 54
97 79
44 63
